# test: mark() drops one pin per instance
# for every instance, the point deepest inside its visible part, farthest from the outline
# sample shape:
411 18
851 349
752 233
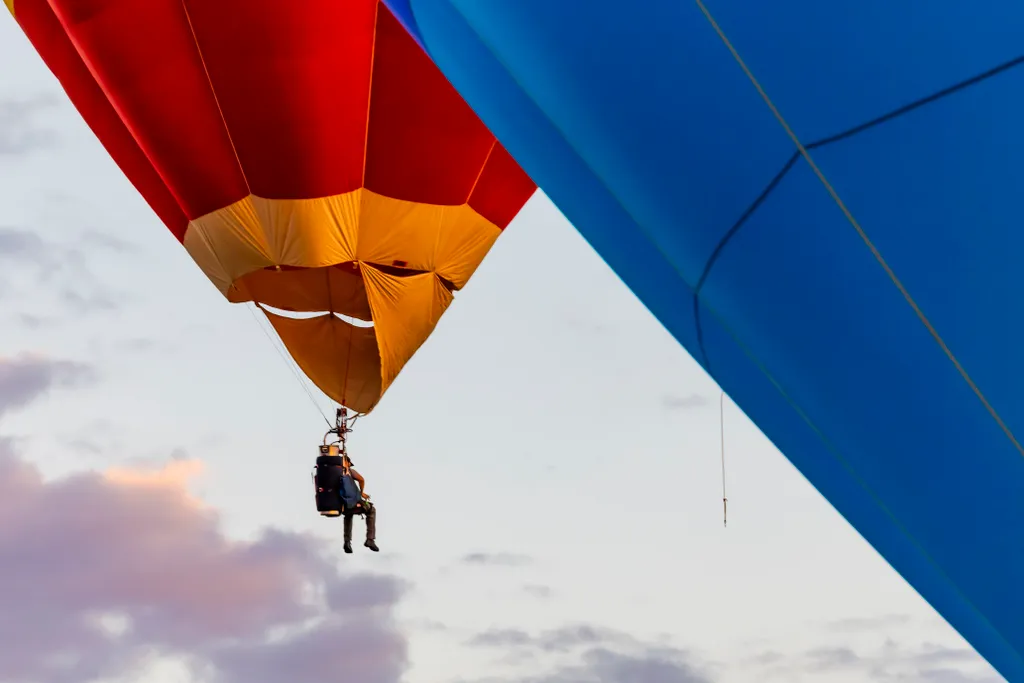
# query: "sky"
547 472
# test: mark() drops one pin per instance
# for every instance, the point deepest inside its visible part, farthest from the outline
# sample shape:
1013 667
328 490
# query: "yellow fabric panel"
320 255
405 312
311 232
255 233
228 244
332 288
10 6
448 240
462 246
341 359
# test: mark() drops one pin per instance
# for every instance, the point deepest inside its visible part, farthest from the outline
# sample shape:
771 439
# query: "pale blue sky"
539 427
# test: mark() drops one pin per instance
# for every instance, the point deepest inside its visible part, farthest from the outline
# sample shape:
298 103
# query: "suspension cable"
288 362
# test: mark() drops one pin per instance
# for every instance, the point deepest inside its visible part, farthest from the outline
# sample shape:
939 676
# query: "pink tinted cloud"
135 548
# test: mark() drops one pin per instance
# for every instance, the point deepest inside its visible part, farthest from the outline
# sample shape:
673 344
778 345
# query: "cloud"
505 637
102 240
538 591
589 654
29 320
859 624
891 662
565 639
897 662
104 571
429 625
676 402
593 654
25 378
20 244
496 559
75 299
604 666
20 133
63 269
20 250
590 326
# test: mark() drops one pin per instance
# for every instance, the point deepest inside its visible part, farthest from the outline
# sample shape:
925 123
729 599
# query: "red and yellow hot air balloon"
308 155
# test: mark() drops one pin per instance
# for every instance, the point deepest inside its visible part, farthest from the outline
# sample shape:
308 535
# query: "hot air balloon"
821 202
308 155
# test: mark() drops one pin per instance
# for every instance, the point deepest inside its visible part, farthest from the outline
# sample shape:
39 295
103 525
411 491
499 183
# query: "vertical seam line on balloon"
369 100
241 170
216 100
863 235
362 184
88 64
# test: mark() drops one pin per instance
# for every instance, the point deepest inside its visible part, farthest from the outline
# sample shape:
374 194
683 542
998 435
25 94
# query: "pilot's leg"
371 527
348 531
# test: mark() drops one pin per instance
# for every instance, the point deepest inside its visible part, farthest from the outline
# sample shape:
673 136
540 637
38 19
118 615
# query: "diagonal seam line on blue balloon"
1006 66
916 104
802 151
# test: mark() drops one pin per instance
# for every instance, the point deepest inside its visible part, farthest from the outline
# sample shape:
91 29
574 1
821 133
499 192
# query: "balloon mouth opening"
300 292
305 315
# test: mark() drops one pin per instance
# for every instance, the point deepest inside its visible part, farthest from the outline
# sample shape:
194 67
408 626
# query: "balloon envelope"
865 309
308 155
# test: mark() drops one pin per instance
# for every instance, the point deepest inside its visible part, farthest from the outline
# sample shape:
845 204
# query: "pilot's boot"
348 546
371 528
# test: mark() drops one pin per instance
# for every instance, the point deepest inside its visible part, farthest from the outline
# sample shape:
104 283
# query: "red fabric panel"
502 189
47 36
425 143
293 80
145 59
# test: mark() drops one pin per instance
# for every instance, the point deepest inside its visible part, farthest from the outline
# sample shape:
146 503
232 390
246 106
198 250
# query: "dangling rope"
721 421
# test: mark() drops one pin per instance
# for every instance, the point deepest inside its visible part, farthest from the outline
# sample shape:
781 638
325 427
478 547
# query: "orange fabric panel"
341 359
293 80
332 288
257 233
49 39
448 240
144 57
405 312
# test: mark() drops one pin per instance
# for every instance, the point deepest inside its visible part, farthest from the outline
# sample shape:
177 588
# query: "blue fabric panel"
641 126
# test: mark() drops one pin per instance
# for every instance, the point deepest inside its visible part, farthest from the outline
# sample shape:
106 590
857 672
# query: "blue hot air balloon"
821 202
